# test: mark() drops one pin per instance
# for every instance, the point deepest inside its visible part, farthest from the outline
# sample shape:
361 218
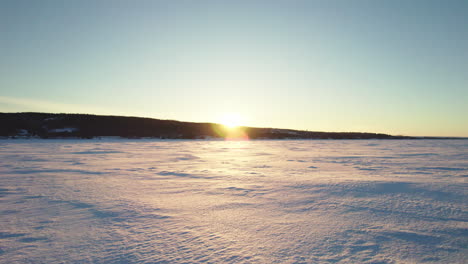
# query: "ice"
290 201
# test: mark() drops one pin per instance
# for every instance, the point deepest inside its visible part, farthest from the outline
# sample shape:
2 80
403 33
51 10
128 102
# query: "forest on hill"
50 125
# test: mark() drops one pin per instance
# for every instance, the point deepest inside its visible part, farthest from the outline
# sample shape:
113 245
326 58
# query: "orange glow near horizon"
231 120
231 127
231 133
237 134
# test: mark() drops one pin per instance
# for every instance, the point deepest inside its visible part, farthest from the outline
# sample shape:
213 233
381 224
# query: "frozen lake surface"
143 201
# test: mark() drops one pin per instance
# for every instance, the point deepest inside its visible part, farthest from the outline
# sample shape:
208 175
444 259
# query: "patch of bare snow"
157 201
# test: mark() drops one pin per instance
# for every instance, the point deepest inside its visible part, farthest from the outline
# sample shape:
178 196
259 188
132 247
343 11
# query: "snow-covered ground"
144 201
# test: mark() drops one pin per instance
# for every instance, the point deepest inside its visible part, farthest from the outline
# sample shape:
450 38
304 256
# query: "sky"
389 66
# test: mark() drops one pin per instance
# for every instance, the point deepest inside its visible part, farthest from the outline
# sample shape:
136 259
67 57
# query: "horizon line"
244 126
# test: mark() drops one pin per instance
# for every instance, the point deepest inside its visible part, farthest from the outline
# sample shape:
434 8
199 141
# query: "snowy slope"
146 201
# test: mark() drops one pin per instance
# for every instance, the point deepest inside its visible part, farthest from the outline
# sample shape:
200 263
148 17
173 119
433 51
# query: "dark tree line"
46 125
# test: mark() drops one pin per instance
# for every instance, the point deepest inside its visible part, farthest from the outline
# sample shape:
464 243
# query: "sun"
231 120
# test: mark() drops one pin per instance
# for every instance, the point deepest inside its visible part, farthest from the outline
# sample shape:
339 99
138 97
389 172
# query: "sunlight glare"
231 120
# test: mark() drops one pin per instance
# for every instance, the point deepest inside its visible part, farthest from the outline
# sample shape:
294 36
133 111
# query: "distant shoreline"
215 139
85 126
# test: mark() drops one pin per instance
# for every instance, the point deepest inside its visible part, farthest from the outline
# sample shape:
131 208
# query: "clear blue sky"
396 66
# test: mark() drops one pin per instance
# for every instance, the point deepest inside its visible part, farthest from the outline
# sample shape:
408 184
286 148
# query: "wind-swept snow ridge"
144 201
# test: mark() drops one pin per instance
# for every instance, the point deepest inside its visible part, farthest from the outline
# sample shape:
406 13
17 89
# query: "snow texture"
317 201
